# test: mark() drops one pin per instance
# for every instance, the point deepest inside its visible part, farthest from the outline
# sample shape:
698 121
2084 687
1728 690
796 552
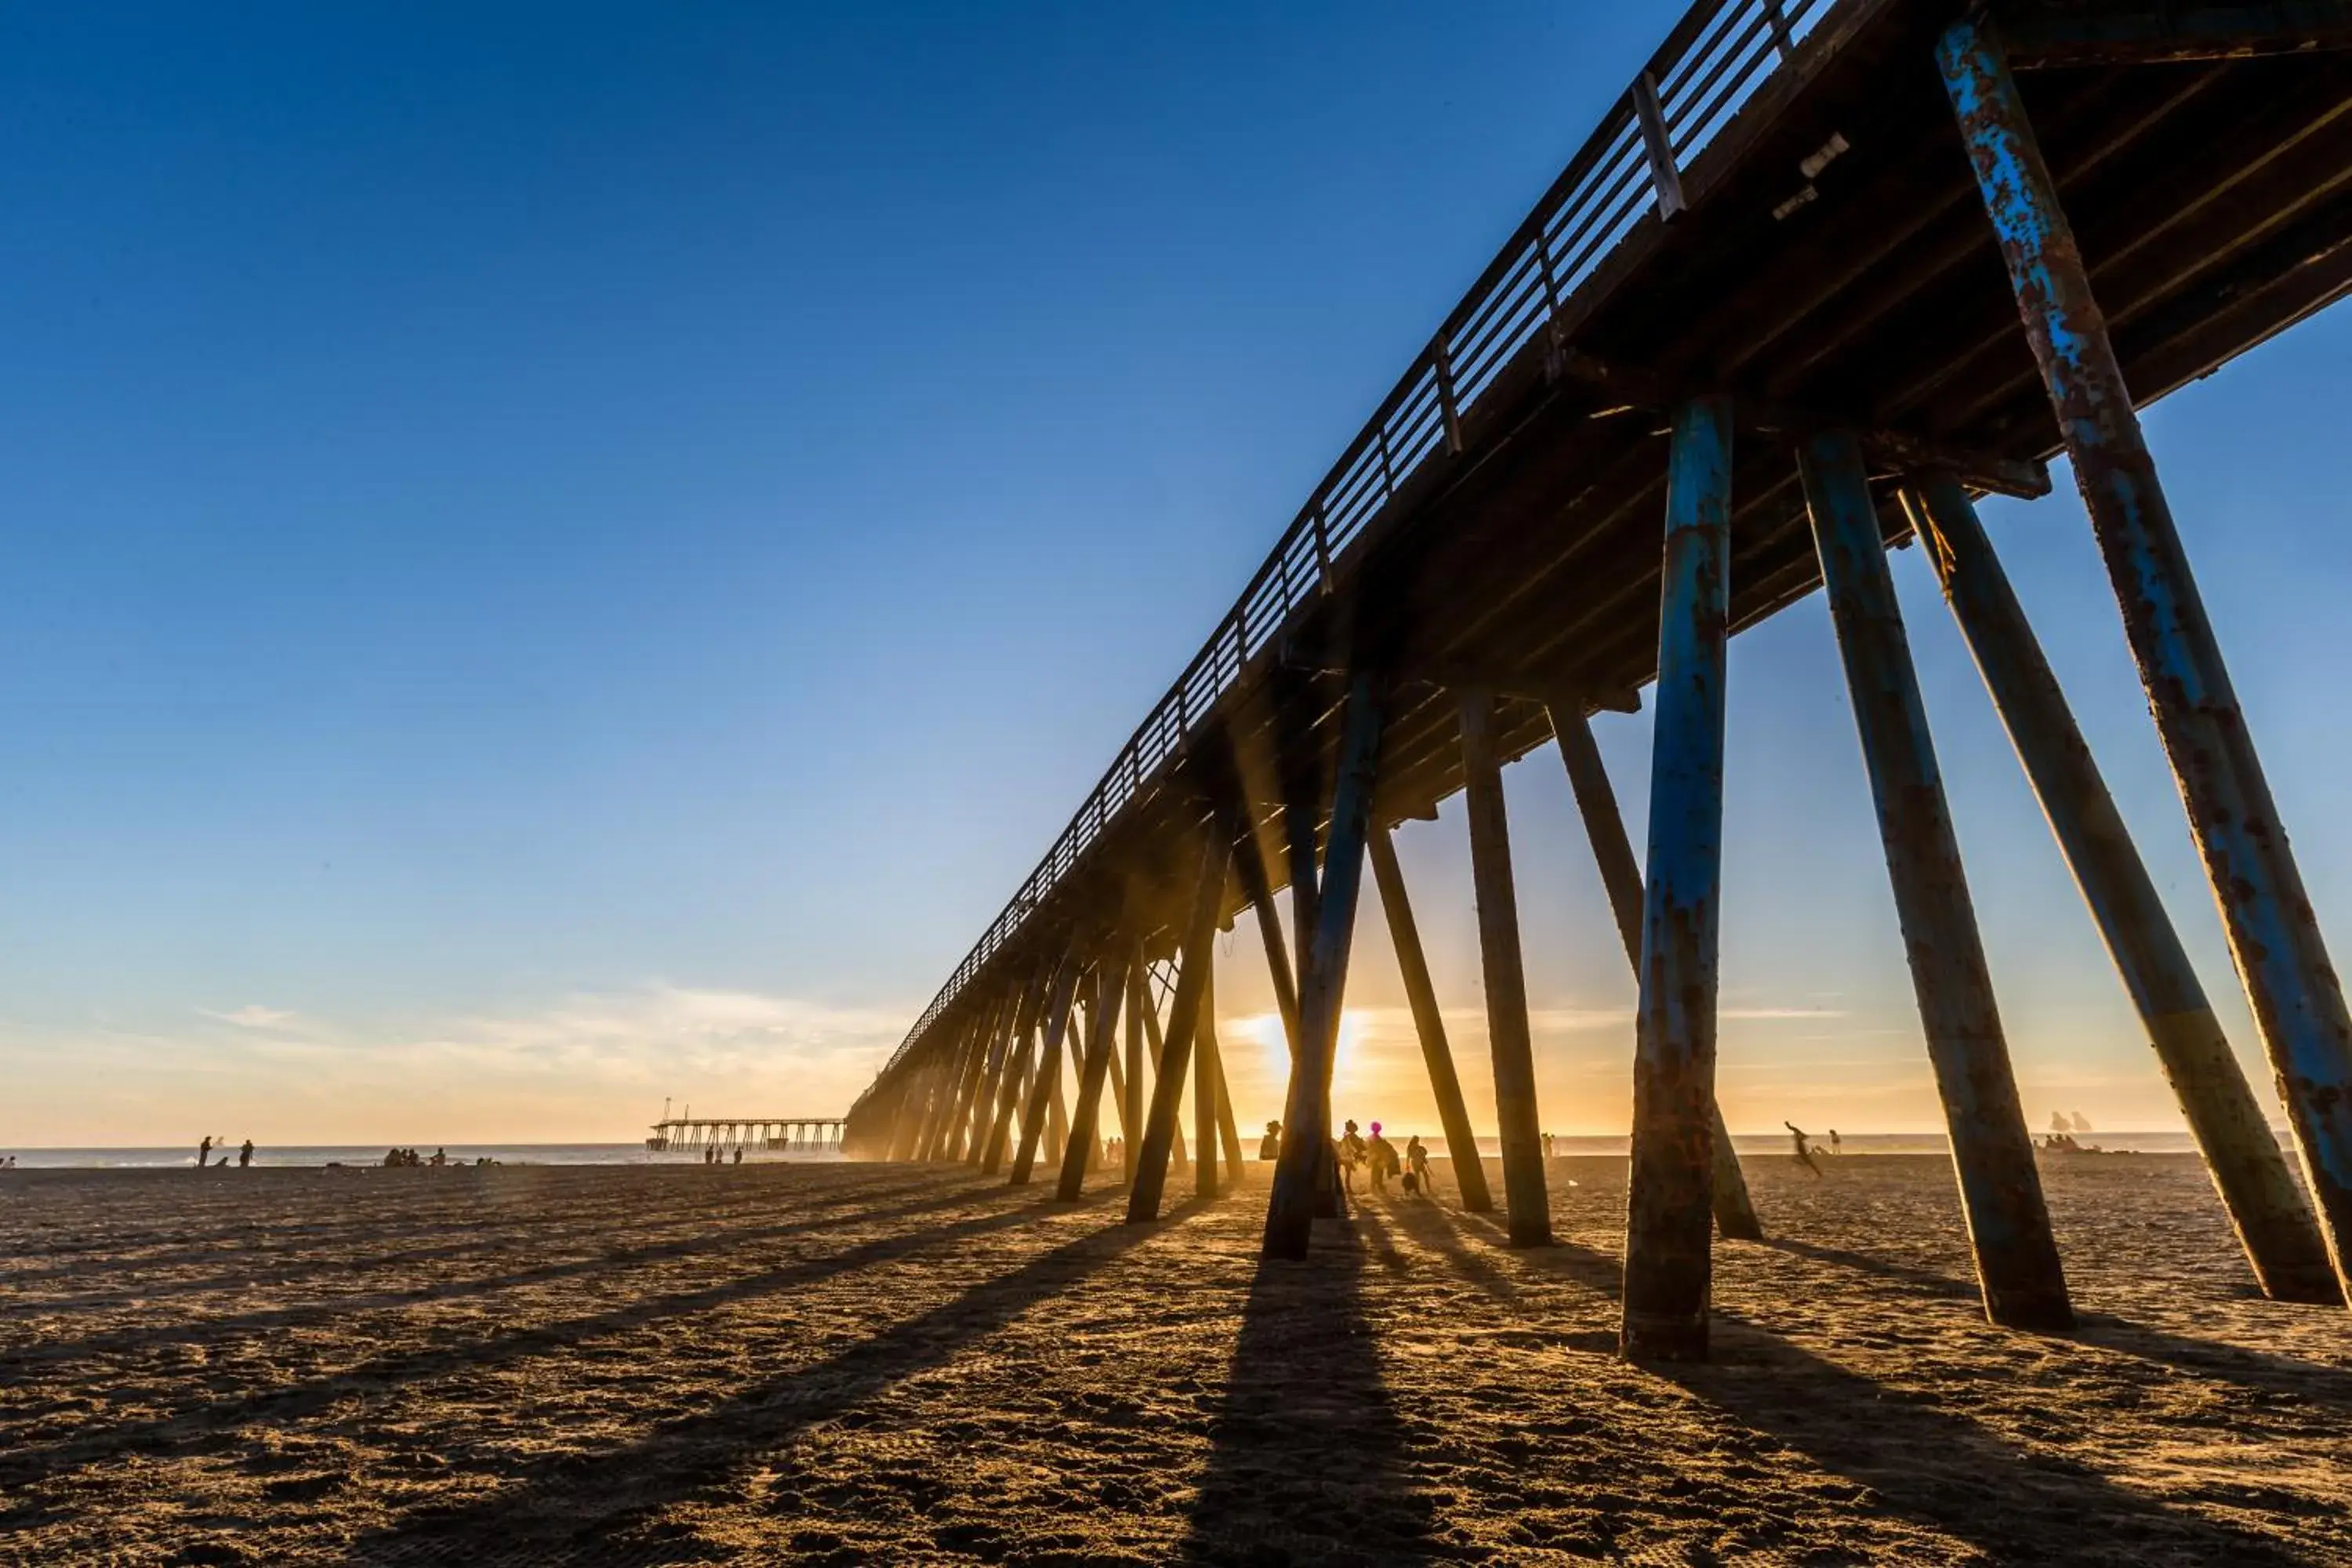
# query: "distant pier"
774 1134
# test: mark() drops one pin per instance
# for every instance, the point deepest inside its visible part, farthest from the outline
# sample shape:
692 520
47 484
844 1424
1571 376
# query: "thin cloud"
252 1015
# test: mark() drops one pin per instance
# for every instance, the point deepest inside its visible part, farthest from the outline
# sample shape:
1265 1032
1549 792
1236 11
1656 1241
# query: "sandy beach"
868 1364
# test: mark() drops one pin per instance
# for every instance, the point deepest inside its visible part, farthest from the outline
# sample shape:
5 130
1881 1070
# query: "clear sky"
558 556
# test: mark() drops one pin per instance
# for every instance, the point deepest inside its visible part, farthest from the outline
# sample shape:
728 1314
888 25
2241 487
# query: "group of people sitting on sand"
408 1159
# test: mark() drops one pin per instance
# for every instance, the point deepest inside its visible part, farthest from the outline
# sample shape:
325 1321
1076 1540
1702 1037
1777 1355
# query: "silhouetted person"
1546 1145
1351 1154
1805 1155
203 1154
1269 1147
1416 1164
1837 1145
1381 1156
739 1153
245 1155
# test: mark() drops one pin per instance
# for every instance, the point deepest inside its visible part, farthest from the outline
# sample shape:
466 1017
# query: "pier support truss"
1405 642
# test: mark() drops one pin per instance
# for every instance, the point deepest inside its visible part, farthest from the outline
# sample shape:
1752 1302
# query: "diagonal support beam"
1620 874
2297 996
1047 1080
1526 1200
1306 1121
1183 1016
1205 1080
1429 1024
1002 1078
2273 1224
1249 866
1102 1040
1158 1044
2008 1224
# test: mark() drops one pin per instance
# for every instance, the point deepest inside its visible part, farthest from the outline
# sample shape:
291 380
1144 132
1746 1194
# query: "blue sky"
564 555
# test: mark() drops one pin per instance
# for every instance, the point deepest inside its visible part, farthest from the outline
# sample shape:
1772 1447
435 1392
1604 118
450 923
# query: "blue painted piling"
2297 1000
2272 1222
1669 1203
2000 1190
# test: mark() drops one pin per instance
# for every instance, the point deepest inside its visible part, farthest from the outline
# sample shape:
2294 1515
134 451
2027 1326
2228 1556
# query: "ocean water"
346 1154
314 1155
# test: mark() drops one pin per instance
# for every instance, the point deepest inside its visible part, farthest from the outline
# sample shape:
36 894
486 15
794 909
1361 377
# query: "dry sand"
868 1364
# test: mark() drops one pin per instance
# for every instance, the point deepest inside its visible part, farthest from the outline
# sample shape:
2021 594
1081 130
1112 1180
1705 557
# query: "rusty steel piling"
2000 1189
2297 999
1669 1209
2273 1223
1620 876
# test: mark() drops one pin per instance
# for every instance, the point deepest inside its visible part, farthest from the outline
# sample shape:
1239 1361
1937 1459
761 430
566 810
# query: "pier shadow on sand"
2261 1373
605 1506
202 1424
1933 1466
1307 1450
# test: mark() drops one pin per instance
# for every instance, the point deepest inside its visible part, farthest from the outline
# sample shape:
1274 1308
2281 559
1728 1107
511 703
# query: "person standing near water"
245 1156
203 1154
1269 1147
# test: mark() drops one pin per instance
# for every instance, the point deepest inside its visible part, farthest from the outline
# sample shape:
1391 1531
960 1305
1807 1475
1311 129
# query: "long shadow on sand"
196 1427
1947 1471
1935 1466
1307 1459
1922 1281
603 1507
2265 1373
212 1331
217 1222
294 1248
2262 1372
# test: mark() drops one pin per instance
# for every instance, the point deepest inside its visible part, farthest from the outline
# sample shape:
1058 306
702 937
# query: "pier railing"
1716 59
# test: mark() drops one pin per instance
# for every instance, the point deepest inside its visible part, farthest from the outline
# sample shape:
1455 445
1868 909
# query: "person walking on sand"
203 1154
1546 1145
1381 1156
1416 1164
1805 1155
245 1156
739 1153
1269 1147
1351 1154
1837 1145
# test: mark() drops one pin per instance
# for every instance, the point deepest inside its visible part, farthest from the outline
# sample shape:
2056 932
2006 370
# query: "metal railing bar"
1714 61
